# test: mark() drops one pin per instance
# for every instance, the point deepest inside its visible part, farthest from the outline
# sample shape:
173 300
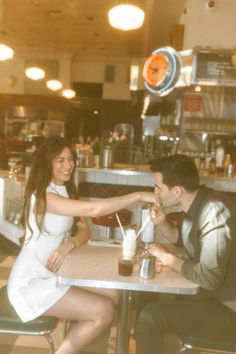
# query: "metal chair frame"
10 323
187 346
46 334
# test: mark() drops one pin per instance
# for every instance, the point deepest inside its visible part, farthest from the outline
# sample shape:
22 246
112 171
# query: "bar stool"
214 346
10 323
110 221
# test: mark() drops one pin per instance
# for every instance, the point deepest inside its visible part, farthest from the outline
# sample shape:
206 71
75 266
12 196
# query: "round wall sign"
162 71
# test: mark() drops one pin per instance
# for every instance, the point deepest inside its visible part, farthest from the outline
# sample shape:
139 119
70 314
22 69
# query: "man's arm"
168 258
214 243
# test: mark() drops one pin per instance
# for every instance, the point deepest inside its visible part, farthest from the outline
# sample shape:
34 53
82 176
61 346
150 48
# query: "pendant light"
5 52
68 93
126 17
35 73
54 85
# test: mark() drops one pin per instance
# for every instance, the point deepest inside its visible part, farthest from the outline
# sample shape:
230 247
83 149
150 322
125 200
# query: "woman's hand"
148 197
57 256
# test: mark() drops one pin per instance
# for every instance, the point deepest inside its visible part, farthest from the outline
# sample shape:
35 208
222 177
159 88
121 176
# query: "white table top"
94 266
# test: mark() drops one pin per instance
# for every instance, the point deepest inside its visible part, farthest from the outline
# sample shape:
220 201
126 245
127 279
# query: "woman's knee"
106 309
114 296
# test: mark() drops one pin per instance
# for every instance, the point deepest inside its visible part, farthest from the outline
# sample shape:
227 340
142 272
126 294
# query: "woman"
51 215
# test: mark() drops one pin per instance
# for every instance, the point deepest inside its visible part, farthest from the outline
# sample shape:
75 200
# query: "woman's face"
62 166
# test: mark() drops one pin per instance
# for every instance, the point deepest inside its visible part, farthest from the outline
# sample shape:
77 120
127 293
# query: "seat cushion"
9 320
209 344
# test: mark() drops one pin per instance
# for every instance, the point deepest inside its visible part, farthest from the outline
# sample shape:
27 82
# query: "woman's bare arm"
81 236
83 232
64 206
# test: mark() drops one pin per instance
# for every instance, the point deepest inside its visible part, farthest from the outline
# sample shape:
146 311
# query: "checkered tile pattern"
106 190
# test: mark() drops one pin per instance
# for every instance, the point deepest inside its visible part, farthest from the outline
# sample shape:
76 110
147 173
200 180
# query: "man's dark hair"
177 170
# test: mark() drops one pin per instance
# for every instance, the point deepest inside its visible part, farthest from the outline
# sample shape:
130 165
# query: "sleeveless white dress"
32 288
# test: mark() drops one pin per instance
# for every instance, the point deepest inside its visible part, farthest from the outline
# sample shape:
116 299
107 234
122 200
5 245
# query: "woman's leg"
92 311
112 294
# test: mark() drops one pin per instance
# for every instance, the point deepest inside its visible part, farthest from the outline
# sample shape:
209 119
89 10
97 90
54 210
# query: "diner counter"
140 175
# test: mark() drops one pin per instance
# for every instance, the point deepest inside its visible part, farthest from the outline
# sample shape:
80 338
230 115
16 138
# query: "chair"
110 221
206 345
10 323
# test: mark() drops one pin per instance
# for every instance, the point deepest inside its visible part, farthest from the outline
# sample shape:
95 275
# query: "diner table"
97 267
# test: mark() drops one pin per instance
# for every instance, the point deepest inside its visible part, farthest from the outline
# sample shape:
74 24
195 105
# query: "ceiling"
80 28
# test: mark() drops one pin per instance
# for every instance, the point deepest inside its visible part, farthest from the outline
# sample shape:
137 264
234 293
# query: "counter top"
19 178
139 175
122 169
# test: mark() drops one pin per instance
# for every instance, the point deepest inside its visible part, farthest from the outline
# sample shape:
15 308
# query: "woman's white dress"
32 288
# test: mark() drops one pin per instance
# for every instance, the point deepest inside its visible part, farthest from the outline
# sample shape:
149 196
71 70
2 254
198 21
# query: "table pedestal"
123 323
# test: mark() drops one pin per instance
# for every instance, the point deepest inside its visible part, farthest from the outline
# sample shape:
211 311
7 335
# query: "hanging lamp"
35 73
5 52
68 93
126 17
54 85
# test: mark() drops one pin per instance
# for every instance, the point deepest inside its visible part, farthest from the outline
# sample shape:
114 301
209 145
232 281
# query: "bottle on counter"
228 167
220 153
212 164
202 162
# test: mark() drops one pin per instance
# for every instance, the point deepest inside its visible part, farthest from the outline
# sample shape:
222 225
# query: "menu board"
215 67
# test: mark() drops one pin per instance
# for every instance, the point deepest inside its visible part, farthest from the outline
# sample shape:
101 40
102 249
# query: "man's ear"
178 190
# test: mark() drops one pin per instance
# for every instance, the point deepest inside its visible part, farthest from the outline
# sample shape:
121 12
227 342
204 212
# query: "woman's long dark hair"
39 178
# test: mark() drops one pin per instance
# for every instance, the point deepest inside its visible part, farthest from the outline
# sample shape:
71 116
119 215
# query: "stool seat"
11 323
39 324
110 220
217 345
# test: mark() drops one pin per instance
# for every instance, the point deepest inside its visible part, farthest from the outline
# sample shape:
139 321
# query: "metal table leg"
123 323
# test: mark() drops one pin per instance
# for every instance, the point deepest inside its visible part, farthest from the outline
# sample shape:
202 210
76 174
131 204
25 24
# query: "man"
207 232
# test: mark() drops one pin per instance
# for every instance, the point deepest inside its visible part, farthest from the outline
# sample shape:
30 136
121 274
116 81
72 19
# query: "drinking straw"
143 226
121 227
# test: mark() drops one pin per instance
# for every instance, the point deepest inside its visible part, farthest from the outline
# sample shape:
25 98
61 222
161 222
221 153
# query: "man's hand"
157 214
164 255
160 252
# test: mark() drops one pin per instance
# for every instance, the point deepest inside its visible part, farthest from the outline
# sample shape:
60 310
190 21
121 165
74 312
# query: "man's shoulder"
214 196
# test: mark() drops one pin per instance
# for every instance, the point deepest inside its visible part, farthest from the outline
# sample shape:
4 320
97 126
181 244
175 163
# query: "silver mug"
147 266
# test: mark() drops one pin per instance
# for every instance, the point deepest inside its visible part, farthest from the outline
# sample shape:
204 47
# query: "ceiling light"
5 52
68 93
126 17
35 73
54 85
